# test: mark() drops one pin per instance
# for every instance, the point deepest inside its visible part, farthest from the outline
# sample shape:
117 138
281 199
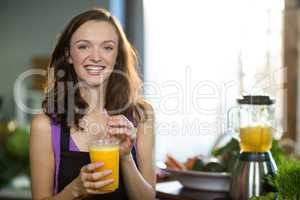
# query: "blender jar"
256 120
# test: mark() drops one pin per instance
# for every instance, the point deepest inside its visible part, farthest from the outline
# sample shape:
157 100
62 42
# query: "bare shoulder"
40 123
147 105
40 137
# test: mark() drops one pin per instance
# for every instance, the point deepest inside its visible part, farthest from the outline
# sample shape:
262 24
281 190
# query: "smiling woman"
93 92
94 56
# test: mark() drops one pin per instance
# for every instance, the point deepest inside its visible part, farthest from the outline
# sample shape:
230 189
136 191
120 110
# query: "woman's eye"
83 47
108 48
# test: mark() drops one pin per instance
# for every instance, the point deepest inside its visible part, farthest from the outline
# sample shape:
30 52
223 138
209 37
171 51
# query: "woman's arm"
42 160
140 183
42 168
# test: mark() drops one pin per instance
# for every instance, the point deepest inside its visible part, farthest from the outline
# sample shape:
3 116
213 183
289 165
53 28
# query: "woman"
93 89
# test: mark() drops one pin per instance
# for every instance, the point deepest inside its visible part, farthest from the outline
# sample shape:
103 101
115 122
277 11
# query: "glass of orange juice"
107 151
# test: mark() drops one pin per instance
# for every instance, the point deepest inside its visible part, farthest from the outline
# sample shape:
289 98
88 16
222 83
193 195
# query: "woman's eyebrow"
88 41
82 41
108 41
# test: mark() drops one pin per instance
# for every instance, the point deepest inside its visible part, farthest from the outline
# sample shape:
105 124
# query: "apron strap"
65 139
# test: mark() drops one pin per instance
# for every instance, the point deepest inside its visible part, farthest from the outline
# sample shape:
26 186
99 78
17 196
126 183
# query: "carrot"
190 163
172 163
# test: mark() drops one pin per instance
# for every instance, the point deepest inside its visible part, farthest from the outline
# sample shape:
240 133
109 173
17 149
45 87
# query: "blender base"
248 175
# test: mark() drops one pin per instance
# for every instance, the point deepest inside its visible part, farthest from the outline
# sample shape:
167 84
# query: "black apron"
71 163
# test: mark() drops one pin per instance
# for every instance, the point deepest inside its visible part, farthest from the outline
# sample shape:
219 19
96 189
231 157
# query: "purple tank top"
55 129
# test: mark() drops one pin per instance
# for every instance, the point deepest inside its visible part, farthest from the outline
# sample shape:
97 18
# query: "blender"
255 124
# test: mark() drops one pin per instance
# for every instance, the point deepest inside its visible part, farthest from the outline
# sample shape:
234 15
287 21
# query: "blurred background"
197 58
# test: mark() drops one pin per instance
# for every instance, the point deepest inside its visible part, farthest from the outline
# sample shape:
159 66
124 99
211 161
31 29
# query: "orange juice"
109 155
256 139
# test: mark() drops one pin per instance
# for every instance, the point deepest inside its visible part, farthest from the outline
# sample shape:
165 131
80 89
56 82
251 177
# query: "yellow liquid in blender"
256 139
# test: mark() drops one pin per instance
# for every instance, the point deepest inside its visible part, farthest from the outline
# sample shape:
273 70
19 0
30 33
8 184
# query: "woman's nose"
95 56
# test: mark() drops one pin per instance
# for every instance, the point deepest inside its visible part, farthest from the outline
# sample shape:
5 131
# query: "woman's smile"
94 70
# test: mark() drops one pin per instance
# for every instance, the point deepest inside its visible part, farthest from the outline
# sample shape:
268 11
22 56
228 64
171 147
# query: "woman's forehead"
95 31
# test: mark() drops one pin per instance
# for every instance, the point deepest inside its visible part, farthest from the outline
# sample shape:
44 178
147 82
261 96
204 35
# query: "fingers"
95 176
119 131
88 172
91 167
89 191
119 121
92 181
97 185
93 187
119 125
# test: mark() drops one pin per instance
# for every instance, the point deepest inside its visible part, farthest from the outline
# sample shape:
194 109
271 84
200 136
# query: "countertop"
173 190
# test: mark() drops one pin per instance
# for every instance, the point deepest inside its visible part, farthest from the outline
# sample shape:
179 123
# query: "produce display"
286 182
222 160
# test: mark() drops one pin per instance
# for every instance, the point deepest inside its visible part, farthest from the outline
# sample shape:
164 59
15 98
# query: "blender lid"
256 100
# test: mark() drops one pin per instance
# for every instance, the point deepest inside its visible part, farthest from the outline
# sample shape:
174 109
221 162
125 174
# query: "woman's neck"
95 97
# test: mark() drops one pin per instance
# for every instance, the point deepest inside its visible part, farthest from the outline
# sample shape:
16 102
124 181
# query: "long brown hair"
123 89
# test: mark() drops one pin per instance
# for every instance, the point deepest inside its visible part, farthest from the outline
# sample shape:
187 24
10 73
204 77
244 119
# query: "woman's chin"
94 83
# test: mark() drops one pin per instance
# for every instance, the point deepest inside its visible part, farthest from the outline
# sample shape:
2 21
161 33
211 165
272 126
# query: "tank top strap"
65 139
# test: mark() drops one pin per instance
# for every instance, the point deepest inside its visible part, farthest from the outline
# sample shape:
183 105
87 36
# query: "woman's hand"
119 126
90 181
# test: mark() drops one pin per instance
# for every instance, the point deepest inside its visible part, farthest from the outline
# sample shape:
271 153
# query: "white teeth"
95 68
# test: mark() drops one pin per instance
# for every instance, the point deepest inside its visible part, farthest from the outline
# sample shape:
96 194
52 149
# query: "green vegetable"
14 151
228 154
213 167
287 179
9 168
277 152
17 144
198 165
232 145
269 196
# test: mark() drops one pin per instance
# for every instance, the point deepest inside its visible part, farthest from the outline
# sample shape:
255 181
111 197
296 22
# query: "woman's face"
93 51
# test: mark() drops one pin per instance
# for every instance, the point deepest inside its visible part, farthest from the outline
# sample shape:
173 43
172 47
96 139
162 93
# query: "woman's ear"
70 61
68 57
